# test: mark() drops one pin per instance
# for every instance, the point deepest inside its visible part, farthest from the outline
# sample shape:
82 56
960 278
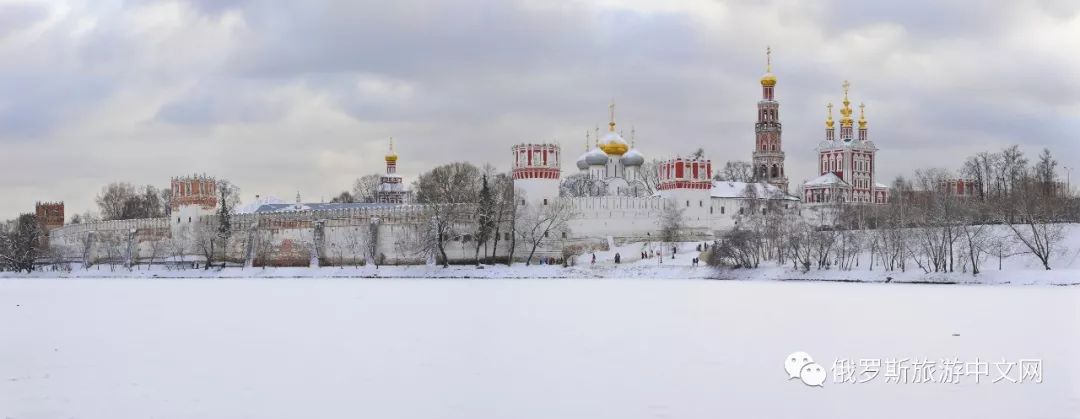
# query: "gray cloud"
285 96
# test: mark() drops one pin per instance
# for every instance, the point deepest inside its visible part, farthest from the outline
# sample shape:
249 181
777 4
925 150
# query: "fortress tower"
687 183
192 196
50 215
768 157
536 171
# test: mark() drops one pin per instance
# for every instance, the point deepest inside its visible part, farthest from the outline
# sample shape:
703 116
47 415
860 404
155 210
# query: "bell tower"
768 157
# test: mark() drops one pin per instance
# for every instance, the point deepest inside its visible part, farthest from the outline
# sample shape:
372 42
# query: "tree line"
1017 207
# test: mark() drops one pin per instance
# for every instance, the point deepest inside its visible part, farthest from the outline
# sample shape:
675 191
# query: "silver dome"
633 158
582 164
596 157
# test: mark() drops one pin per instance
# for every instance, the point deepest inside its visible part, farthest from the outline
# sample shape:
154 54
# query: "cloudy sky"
287 96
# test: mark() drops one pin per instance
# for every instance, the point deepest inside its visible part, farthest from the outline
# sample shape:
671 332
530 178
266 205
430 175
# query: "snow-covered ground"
1022 269
475 349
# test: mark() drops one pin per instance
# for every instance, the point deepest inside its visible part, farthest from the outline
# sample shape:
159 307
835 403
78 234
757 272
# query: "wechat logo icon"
802 366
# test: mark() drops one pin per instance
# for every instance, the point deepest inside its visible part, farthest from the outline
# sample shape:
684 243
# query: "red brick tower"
50 214
768 154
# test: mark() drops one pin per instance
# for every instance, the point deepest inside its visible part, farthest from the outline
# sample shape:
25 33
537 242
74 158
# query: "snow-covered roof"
726 189
318 206
251 207
880 185
828 179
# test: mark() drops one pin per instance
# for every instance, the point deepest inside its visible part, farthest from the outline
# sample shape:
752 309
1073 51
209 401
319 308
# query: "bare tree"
650 175
157 245
123 201
543 225
582 185
671 223
736 171
365 188
444 189
1033 217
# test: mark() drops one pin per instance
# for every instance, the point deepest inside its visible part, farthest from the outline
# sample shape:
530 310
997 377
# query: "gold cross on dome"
768 59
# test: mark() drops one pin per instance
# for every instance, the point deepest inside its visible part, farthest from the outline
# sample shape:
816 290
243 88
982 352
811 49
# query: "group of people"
650 253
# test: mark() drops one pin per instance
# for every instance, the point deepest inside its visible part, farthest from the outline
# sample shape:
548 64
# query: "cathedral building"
846 165
613 163
768 157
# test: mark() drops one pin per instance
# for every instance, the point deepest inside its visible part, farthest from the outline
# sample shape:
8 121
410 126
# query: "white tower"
536 172
192 197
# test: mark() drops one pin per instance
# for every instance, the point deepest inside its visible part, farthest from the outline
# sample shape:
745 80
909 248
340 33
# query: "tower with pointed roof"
768 156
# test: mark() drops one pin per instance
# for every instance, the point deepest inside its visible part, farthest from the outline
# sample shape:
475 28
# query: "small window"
740 211
522 202
564 235
178 220
189 219
545 234
700 203
545 201
688 203
710 210
721 210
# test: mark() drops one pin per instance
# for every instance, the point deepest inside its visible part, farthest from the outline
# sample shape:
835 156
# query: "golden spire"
391 157
829 121
611 107
862 116
845 112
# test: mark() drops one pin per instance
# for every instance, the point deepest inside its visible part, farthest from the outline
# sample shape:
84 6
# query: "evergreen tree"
485 217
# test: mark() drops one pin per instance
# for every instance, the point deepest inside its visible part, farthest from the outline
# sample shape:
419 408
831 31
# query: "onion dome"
582 162
632 158
596 157
613 143
769 79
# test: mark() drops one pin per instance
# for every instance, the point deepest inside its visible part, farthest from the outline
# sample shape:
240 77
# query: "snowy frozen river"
474 349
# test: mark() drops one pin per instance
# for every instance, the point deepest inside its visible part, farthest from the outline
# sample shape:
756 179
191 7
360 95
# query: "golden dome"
768 80
613 144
